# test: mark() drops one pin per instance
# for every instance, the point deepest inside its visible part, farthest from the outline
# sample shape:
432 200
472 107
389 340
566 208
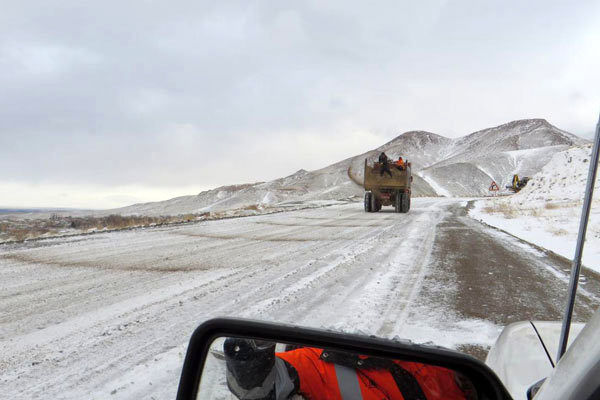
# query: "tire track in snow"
83 281
43 384
298 276
367 303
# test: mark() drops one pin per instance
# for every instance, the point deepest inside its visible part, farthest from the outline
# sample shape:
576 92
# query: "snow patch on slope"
437 187
547 211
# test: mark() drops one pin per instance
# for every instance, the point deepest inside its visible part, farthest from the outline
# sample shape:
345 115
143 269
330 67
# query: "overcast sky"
107 103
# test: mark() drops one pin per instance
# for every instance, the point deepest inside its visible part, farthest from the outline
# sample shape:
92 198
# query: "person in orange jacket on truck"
400 163
255 371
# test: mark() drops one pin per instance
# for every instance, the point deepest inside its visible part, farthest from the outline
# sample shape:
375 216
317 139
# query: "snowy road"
109 315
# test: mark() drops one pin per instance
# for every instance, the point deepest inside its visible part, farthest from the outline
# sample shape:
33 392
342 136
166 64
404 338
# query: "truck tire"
375 204
368 201
379 205
398 202
405 202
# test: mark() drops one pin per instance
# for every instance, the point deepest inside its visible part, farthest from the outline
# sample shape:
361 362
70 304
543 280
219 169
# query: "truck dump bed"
374 181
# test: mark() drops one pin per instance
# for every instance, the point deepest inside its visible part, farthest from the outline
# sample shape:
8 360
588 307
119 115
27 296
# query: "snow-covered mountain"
441 167
519 147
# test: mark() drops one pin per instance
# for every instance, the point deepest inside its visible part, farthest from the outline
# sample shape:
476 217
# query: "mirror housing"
485 381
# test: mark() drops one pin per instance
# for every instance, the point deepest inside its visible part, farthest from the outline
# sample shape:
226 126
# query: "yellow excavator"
517 184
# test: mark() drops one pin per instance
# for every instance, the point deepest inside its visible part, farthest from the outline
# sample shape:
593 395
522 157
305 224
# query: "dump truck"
387 189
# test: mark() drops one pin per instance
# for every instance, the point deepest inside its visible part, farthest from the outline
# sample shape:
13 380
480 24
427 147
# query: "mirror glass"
238 368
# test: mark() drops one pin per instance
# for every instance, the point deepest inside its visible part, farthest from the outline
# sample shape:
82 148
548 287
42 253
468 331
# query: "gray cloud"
165 94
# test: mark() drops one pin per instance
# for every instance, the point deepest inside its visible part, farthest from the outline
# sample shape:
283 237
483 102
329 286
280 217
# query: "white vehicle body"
577 374
521 356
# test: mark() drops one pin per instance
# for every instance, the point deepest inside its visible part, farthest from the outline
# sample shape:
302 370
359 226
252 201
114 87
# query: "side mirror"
242 359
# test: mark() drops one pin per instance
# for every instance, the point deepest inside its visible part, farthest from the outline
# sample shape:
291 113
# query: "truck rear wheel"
379 205
368 196
375 203
398 202
405 206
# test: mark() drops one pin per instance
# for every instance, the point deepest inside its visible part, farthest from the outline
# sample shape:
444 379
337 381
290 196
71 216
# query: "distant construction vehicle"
517 184
387 186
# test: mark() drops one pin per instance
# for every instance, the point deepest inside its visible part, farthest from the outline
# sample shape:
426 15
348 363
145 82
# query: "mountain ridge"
442 166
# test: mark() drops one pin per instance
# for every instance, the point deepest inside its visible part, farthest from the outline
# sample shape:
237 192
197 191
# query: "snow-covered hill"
518 147
562 180
441 167
300 189
547 211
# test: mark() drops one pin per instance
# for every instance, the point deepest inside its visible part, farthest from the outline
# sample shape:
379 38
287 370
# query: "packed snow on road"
109 315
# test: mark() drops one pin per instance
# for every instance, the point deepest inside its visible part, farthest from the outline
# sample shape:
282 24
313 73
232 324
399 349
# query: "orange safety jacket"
400 163
324 380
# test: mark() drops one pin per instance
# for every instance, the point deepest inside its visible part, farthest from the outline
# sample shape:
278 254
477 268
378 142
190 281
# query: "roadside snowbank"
548 210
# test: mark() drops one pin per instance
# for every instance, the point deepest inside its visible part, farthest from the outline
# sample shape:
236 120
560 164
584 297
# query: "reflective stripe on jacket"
324 380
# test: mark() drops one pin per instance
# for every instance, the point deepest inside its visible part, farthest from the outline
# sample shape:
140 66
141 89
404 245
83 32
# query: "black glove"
248 361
